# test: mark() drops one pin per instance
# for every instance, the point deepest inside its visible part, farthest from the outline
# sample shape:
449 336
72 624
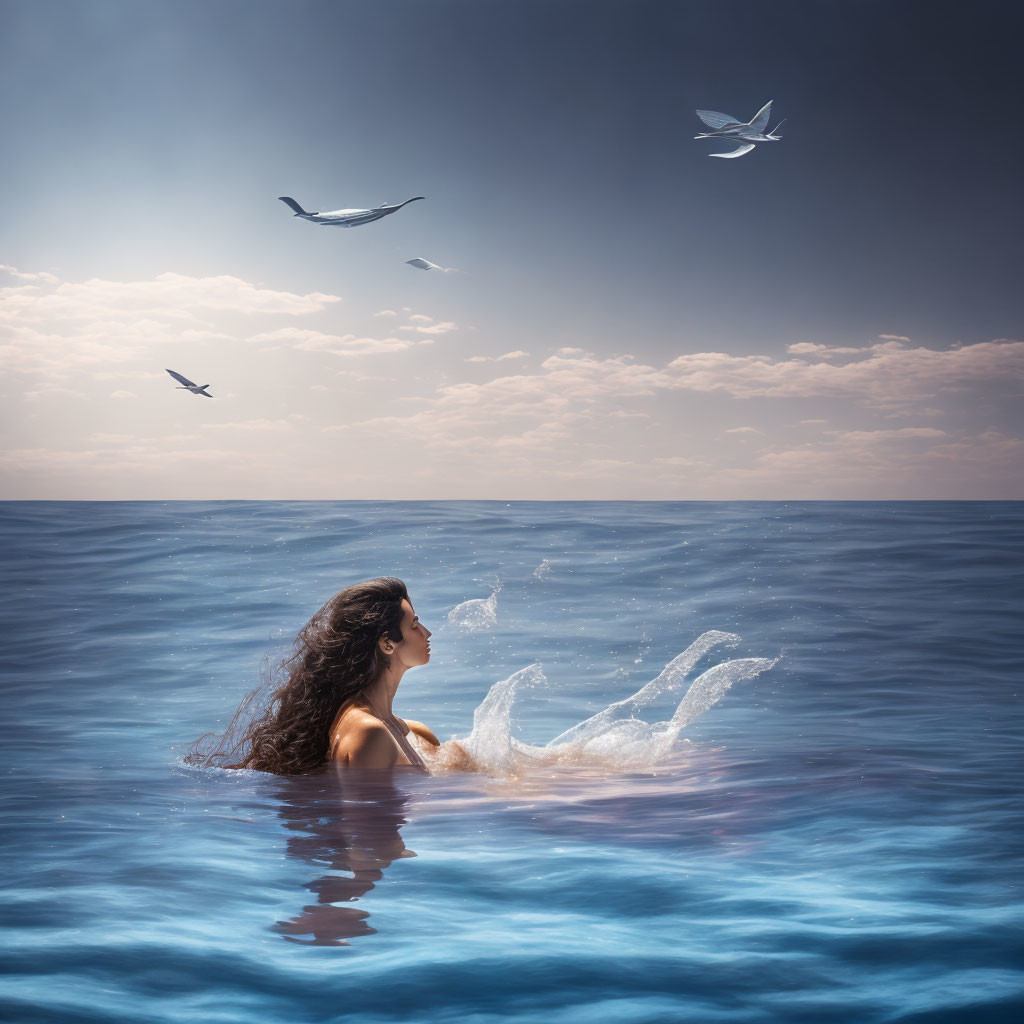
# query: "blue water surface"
841 840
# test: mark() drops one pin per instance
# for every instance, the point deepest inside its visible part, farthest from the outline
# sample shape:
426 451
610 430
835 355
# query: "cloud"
343 345
548 424
911 461
385 312
172 296
116 460
359 378
566 420
102 438
54 391
57 329
23 275
916 410
884 374
992 447
810 348
517 354
541 437
131 440
441 328
261 426
535 412
875 436
679 462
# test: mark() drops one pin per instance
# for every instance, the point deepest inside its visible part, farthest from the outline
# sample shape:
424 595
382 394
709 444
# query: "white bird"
187 385
422 264
345 218
747 134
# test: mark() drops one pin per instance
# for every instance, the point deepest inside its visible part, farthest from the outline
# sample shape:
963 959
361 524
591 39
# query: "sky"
838 315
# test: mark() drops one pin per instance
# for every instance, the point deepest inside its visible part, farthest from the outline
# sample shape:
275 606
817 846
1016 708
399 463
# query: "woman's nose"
429 634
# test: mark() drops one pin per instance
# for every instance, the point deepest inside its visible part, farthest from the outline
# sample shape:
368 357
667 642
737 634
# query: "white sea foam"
543 570
614 737
478 614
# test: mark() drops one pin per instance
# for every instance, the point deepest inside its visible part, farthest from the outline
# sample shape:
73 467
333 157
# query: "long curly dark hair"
334 659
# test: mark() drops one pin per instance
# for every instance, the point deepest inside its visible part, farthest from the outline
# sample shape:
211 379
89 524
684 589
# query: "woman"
336 703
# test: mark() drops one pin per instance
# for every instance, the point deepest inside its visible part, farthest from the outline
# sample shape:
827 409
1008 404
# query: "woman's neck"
381 692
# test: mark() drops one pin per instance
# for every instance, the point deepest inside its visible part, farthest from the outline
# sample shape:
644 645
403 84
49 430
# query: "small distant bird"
747 134
422 264
187 385
346 218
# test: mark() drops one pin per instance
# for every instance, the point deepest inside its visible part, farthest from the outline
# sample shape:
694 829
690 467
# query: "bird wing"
760 120
715 120
181 380
205 394
736 152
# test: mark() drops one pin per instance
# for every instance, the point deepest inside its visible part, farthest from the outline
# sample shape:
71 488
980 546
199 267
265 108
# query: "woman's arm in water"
422 731
451 756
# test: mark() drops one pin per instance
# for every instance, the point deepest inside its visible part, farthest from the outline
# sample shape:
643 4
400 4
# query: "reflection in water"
346 822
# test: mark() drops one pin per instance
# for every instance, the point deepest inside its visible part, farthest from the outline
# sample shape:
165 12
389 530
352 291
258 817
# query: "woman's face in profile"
415 646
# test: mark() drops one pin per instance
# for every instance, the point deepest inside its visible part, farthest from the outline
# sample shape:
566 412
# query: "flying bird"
346 218
422 264
747 134
187 385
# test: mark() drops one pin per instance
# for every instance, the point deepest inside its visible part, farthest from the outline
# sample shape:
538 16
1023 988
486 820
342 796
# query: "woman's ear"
386 645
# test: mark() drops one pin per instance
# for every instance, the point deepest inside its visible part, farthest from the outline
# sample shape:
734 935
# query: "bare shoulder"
421 730
363 741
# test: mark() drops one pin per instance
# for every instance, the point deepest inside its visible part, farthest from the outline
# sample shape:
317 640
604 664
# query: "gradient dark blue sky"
554 143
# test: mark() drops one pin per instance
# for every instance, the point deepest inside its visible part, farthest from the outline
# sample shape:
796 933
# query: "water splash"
671 677
543 570
613 738
491 742
478 614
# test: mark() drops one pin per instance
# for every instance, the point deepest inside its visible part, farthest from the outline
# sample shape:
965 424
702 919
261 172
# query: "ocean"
811 813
